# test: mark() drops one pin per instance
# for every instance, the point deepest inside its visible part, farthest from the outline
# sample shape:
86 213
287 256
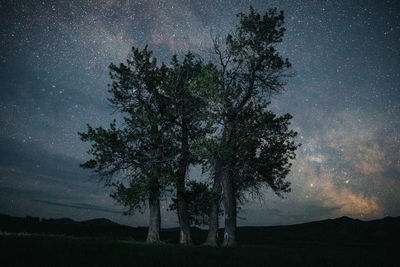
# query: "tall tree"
186 90
134 158
164 111
246 152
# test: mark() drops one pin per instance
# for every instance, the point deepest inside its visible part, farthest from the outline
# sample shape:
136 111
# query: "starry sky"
345 99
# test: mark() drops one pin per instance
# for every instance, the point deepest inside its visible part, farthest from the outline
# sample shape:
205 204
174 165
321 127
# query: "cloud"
316 158
82 206
369 160
347 200
322 186
350 164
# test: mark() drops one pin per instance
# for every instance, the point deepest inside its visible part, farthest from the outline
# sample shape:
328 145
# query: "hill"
342 229
67 226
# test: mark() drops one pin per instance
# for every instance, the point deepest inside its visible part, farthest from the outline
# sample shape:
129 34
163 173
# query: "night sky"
345 99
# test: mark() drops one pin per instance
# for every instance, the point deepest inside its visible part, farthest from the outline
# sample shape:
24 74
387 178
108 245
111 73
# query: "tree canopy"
254 146
188 113
141 148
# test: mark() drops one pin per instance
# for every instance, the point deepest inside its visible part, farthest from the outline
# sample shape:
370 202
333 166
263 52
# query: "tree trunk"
229 210
185 237
153 235
183 217
212 238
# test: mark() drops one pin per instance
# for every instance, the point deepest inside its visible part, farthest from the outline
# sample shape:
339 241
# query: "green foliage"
194 113
135 158
186 89
263 147
253 143
132 196
164 117
197 196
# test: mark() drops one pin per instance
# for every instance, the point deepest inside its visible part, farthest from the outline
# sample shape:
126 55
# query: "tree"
164 117
254 146
186 89
135 158
190 113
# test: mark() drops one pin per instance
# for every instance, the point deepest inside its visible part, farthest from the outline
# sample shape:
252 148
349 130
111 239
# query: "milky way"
345 99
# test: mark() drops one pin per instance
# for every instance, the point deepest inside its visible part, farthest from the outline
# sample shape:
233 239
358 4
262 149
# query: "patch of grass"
42 250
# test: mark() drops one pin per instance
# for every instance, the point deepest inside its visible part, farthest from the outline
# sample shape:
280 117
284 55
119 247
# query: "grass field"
53 250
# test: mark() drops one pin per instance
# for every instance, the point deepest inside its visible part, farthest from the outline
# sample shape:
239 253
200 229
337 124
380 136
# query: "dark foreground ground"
67 251
339 242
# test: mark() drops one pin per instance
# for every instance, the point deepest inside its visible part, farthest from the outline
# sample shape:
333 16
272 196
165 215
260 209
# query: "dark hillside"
342 229
67 226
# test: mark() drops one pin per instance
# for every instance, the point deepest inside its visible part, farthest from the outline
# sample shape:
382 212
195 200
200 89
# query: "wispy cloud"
82 206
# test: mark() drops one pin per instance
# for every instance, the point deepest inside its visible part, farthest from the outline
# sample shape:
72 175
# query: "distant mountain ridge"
331 230
65 220
67 226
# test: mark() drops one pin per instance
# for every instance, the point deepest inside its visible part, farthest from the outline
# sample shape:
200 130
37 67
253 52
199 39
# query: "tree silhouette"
215 115
254 146
164 111
135 157
187 89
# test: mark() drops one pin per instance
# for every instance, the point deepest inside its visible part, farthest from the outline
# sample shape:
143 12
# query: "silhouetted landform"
331 230
343 229
67 226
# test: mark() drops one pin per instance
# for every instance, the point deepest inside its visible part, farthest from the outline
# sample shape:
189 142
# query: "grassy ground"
45 250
